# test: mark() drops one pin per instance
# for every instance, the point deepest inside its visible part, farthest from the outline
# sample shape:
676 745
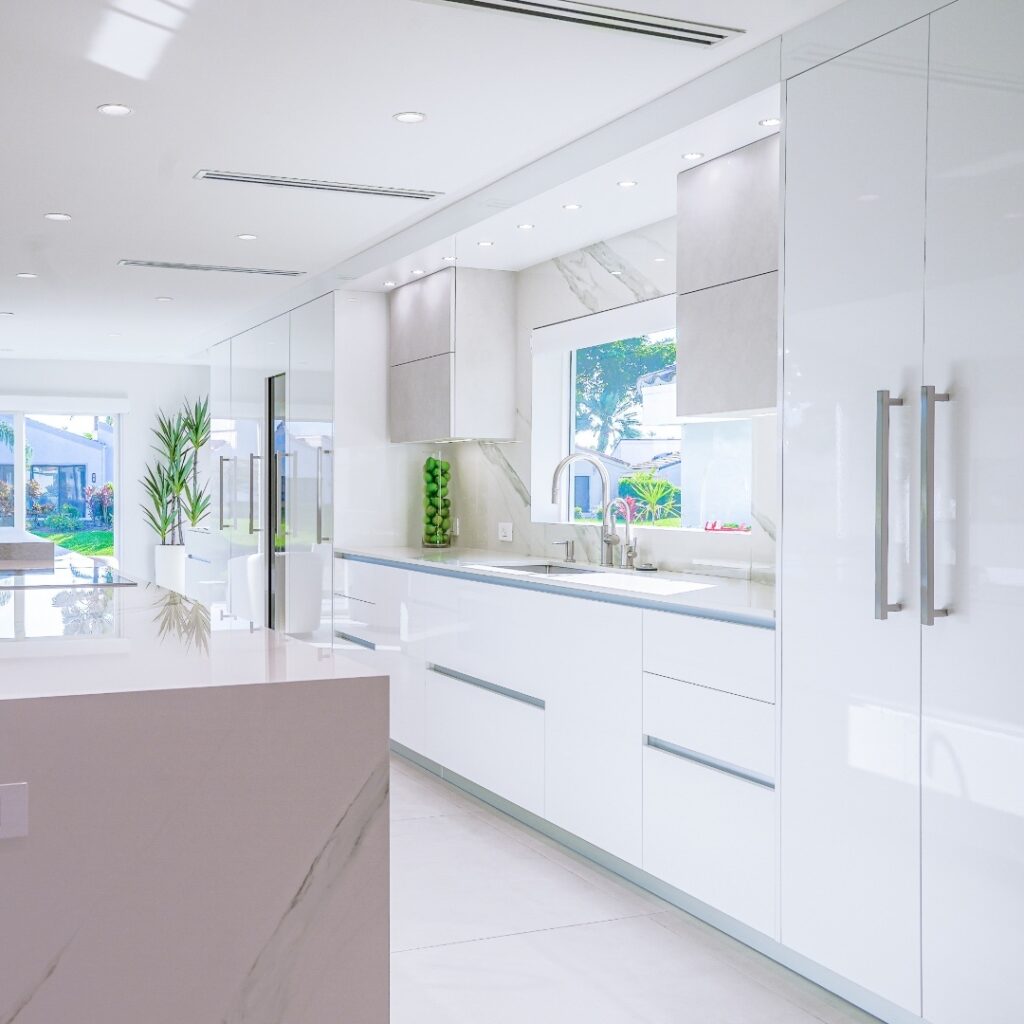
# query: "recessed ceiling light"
164 298
660 259
247 238
693 156
418 273
6 314
572 206
484 244
451 259
115 109
57 216
627 184
410 116
27 277
390 284
616 273
770 122
525 227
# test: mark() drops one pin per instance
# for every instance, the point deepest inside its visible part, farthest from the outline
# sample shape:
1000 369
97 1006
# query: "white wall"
147 388
376 483
491 481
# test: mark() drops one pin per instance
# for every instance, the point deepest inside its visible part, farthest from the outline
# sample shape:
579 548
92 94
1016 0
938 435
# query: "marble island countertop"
77 640
711 597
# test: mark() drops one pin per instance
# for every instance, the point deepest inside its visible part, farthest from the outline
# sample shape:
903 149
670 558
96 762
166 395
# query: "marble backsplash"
491 480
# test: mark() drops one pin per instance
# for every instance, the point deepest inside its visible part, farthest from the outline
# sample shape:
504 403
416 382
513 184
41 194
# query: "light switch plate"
505 531
14 810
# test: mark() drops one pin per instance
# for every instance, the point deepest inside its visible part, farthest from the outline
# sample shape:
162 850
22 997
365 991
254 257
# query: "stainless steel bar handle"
320 453
253 459
220 487
929 613
883 403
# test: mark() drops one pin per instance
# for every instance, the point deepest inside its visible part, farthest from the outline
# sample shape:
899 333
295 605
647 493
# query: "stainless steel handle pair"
320 453
883 404
253 459
220 488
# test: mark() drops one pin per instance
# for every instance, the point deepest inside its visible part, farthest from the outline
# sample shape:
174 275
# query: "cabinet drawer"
721 726
722 655
711 835
495 739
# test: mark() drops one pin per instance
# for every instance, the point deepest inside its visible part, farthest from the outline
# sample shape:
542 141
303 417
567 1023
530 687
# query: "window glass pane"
69 490
671 474
6 469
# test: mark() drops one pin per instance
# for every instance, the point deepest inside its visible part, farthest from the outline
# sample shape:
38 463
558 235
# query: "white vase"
169 567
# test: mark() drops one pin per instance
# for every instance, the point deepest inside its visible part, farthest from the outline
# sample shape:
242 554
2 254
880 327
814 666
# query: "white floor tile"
616 972
457 878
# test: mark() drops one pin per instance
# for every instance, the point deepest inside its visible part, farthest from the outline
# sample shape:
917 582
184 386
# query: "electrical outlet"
505 532
14 810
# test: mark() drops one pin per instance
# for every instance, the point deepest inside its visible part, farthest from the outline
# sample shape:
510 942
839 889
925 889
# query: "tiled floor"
492 923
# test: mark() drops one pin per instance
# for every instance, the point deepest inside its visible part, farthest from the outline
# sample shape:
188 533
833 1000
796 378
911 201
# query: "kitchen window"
617 399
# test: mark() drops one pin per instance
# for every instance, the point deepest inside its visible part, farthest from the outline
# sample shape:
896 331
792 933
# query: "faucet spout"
602 472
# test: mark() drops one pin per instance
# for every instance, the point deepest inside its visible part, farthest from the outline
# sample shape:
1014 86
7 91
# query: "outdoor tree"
606 386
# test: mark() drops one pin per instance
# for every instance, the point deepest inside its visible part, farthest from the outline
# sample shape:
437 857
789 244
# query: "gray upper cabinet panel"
420 407
422 318
728 217
726 343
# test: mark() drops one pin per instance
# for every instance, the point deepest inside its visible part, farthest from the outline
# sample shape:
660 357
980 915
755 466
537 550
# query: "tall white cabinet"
972 680
273 488
902 809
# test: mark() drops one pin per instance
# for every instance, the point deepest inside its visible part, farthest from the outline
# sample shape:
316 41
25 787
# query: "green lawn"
87 542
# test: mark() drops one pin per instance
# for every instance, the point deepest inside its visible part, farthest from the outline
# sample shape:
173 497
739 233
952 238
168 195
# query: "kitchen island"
193 817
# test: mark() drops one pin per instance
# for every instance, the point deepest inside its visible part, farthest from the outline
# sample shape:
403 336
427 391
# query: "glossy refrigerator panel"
973 698
308 479
850 684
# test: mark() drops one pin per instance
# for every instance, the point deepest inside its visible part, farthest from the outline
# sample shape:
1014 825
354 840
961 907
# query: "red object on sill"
714 526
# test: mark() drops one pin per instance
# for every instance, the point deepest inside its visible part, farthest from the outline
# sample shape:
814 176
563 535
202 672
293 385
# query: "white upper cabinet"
973 697
452 356
727 258
850 684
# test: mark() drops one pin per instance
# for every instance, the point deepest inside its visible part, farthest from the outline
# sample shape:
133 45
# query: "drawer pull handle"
707 761
357 640
503 691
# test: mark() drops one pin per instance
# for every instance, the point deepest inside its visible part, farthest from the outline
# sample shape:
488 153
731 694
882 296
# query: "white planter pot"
169 567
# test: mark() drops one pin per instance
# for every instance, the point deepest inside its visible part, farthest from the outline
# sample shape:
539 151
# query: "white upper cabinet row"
902 570
452 356
727 261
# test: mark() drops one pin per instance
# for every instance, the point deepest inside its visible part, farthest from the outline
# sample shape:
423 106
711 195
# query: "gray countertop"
710 597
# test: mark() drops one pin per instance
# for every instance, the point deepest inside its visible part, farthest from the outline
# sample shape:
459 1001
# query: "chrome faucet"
610 533
606 545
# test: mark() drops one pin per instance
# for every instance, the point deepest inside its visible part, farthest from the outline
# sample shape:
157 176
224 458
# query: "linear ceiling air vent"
160 265
317 186
608 17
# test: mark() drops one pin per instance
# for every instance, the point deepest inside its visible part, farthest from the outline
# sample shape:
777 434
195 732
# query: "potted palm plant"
165 484
196 496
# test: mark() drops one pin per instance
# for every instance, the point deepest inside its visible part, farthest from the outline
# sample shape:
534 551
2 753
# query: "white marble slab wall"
491 481
210 856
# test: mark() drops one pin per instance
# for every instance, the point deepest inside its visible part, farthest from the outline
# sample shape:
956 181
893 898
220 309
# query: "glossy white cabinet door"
223 467
854 268
308 469
973 688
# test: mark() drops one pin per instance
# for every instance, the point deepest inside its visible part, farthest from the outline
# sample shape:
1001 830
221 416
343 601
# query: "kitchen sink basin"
545 570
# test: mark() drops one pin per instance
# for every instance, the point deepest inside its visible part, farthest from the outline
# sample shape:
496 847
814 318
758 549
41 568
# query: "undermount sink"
545 570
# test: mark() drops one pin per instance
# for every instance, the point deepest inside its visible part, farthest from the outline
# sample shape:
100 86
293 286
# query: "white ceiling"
303 89
606 209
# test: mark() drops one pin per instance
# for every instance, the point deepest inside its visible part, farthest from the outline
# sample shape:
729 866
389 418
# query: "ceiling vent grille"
161 265
317 186
694 32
